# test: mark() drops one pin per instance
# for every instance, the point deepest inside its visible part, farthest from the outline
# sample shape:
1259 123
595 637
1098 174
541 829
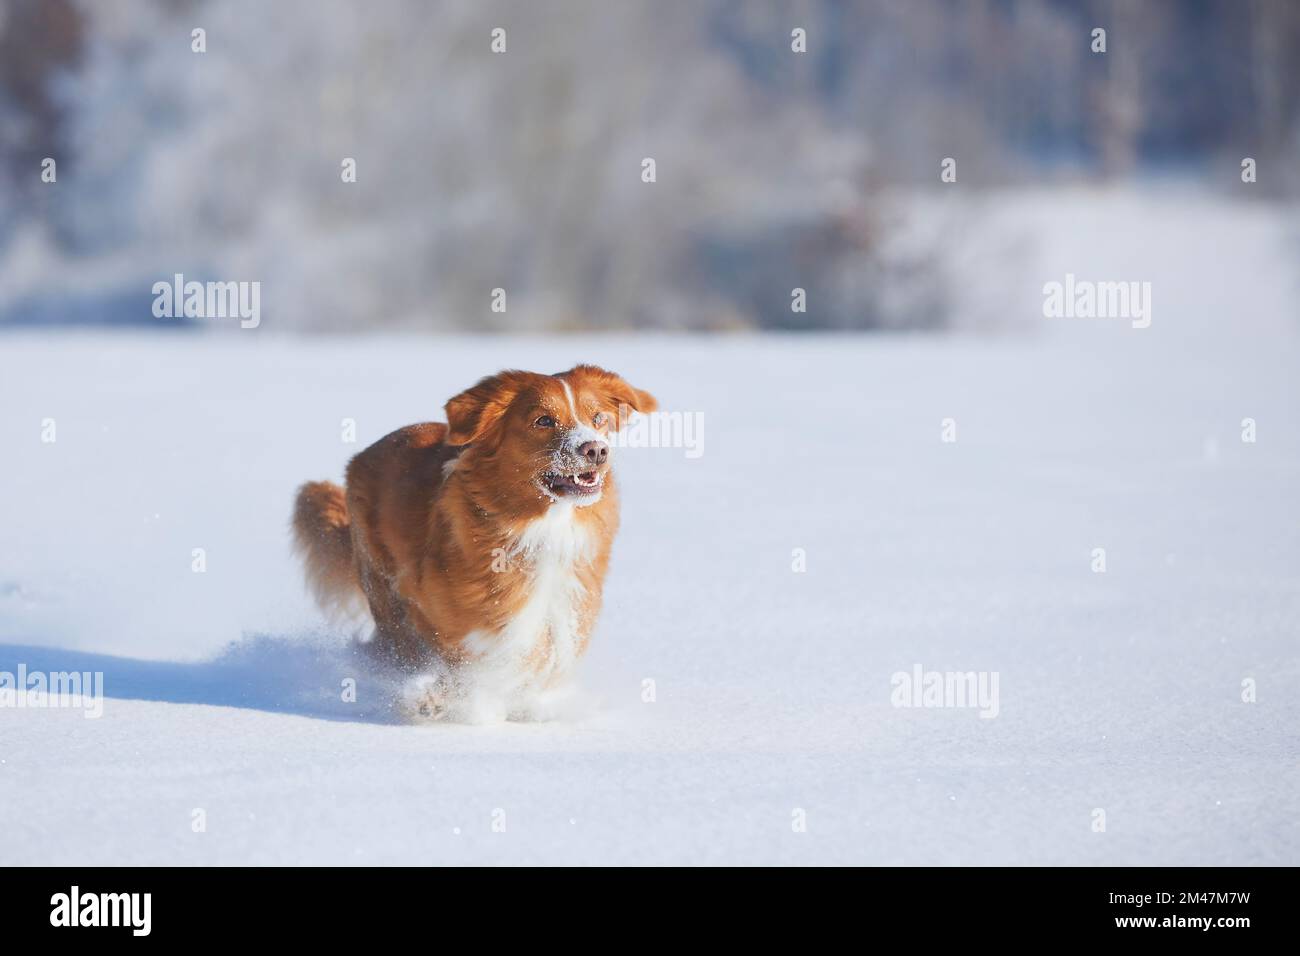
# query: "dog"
480 546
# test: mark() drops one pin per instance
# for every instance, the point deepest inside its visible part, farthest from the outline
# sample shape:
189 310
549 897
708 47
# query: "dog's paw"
425 698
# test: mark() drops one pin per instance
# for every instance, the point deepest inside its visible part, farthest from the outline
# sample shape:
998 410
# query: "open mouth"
581 483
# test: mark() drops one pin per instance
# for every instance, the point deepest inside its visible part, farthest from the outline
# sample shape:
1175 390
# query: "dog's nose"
594 451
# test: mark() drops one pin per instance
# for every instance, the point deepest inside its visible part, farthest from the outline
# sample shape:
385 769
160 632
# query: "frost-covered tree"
474 169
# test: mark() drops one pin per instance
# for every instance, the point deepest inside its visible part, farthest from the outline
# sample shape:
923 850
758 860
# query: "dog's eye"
599 419
546 421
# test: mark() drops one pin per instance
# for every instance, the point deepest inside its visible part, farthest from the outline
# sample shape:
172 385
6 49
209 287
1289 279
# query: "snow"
1119 691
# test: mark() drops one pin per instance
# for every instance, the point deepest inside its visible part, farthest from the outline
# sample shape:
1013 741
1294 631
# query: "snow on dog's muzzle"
579 470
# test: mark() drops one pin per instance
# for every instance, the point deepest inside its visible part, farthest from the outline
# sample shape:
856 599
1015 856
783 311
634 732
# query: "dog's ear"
473 413
611 389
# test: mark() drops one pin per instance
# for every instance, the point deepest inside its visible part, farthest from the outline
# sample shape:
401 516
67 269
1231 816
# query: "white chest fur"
540 643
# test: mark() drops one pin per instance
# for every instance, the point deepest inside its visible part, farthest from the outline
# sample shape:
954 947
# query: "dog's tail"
322 534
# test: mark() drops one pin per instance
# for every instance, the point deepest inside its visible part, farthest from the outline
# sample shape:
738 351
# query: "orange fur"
466 539
323 538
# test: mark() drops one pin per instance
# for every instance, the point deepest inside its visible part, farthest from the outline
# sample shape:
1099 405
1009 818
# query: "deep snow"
1119 691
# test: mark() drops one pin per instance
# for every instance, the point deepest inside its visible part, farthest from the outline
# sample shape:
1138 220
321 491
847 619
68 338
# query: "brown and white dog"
481 545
